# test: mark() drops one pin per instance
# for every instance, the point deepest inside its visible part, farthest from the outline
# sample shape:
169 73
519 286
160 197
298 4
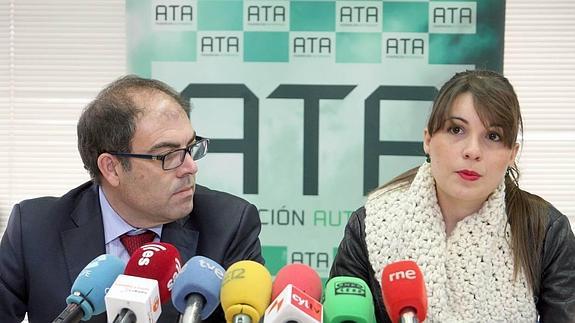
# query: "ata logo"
358 14
219 44
264 14
311 45
168 14
349 288
404 46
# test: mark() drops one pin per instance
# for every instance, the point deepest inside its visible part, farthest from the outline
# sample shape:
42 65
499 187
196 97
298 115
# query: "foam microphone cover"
201 276
246 289
158 260
93 282
403 287
348 299
301 276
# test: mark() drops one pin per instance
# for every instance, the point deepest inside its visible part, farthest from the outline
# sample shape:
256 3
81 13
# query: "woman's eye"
494 136
455 130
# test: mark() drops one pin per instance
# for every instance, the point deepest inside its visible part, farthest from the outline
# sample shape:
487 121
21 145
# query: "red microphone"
403 290
296 294
301 276
159 261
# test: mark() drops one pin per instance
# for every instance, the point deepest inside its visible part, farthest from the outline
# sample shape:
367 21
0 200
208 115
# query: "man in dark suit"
140 148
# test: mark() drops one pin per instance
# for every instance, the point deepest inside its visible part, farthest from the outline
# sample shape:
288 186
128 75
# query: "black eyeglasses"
176 157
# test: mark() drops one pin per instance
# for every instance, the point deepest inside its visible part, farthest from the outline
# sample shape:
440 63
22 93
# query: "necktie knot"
133 242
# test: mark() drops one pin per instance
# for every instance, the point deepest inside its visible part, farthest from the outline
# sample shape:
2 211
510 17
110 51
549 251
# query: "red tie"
133 242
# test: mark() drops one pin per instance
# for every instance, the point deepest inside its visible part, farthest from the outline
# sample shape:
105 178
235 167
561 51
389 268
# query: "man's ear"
108 164
426 140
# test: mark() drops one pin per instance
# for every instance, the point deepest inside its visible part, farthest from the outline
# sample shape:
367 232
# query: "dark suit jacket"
49 240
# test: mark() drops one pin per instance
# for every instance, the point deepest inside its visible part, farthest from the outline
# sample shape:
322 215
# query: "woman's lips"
468 175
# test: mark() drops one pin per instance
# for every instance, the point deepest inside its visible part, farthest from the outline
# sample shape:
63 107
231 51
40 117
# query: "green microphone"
347 299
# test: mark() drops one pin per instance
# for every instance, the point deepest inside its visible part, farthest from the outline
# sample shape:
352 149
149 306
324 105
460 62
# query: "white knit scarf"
469 275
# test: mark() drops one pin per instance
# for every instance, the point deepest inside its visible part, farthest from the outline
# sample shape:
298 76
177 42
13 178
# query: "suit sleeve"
245 245
12 279
557 292
352 260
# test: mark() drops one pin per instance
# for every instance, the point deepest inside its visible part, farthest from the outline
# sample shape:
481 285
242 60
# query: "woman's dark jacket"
555 300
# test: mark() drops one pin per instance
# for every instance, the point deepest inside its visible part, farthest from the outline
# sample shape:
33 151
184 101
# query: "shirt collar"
114 225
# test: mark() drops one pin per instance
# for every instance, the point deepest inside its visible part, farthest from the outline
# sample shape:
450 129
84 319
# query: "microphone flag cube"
140 295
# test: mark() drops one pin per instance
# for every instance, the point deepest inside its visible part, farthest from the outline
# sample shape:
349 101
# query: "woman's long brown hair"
496 102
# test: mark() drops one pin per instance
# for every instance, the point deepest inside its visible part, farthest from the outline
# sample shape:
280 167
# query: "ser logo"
174 14
149 251
349 288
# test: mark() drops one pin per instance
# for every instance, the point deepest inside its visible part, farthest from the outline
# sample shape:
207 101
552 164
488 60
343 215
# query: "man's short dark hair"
108 123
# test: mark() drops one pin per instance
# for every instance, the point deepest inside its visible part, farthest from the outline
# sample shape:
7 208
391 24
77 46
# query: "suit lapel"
86 241
184 239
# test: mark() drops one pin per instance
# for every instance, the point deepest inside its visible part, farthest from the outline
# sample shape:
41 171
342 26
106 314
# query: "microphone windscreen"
159 261
246 289
93 282
200 275
402 286
301 276
348 299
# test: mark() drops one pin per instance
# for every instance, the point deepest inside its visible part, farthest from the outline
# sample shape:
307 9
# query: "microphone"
246 291
196 292
296 293
87 293
134 299
348 299
403 290
293 305
301 276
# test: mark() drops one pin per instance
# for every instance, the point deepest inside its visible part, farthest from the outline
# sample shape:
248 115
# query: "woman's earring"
427 158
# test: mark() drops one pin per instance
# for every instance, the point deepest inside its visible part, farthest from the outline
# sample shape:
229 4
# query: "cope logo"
349 288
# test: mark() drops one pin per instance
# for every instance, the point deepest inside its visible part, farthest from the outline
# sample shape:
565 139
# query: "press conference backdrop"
300 81
309 104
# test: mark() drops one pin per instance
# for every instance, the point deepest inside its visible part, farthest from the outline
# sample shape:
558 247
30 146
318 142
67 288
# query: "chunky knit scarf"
468 275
